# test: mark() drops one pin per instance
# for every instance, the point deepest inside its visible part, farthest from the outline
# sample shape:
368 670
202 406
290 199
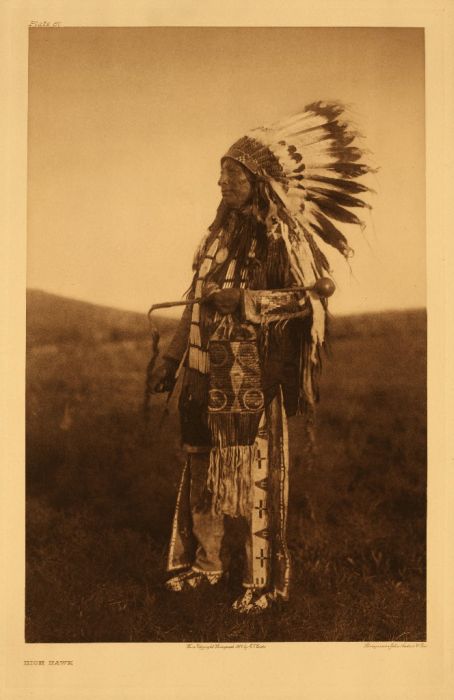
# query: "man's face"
235 185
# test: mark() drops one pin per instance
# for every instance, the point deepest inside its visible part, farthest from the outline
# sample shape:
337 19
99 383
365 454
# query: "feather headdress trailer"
310 166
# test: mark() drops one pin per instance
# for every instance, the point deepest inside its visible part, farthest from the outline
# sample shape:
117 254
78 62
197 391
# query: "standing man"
249 351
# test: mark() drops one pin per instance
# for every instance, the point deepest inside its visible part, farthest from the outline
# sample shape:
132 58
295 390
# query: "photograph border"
291 669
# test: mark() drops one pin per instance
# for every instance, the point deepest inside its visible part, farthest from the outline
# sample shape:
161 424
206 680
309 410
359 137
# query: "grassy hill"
53 320
101 487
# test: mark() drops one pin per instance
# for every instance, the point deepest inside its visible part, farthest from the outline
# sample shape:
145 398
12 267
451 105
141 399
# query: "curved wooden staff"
324 287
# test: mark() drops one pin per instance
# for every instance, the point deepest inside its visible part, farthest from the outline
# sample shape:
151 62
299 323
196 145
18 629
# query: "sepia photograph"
226 400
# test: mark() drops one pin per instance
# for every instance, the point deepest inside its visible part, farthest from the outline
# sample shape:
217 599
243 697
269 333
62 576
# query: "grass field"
101 488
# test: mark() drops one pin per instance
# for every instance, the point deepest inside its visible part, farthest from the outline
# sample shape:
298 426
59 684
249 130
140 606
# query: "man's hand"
164 376
226 301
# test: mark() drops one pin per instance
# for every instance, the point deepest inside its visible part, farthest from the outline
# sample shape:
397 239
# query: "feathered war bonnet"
308 167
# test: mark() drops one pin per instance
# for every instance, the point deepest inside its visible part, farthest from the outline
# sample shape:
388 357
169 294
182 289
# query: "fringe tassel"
228 429
199 360
230 479
277 264
194 334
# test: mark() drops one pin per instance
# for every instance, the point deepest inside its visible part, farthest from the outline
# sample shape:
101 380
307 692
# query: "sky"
126 127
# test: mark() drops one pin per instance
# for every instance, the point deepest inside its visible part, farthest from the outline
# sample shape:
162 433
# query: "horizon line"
170 316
